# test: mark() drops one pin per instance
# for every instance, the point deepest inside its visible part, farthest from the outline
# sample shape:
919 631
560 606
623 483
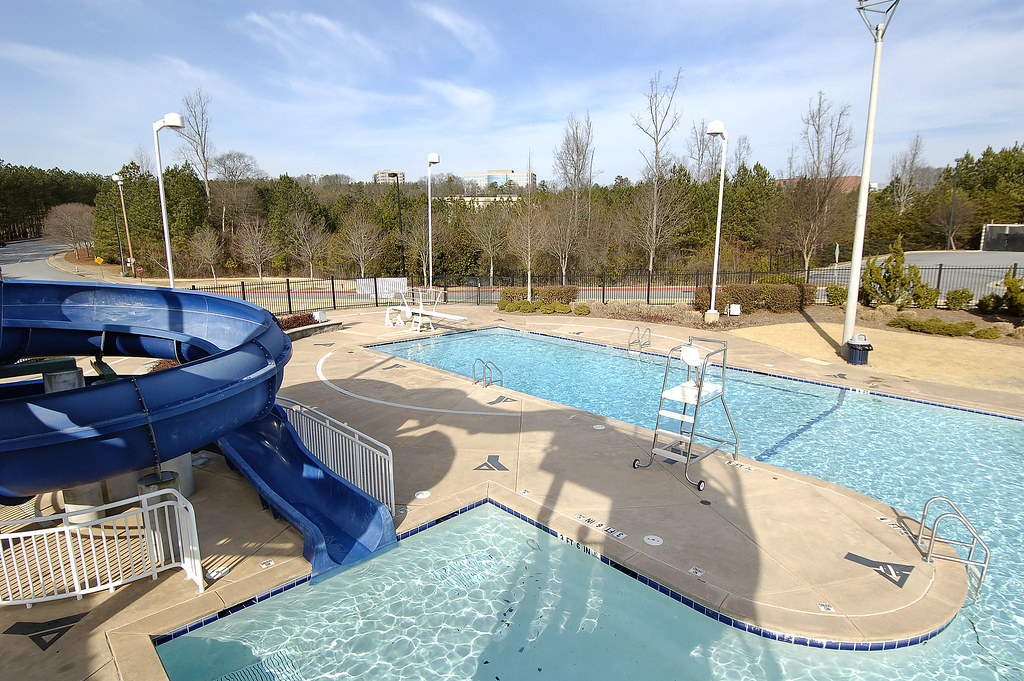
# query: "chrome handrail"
929 555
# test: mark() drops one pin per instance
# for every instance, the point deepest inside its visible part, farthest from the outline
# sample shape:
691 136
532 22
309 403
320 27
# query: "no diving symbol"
45 634
894 572
492 464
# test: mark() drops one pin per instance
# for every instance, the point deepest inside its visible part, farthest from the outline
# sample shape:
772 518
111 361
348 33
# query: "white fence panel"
53 557
365 462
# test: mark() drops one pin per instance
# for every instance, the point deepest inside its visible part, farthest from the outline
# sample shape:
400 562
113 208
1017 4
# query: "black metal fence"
306 295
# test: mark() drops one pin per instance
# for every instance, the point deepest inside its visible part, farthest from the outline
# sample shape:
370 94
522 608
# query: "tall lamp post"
868 9
432 159
124 213
171 120
117 230
716 128
401 234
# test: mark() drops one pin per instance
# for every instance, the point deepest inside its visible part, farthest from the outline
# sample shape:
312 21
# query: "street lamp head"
117 178
433 159
170 120
392 174
716 128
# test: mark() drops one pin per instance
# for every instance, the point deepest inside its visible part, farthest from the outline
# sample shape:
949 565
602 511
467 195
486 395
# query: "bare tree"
963 218
740 153
417 236
208 247
527 232
255 243
574 161
704 151
360 238
811 217
144 160
309 241
903 174
489 228
235 166
657 123
196 134
71 224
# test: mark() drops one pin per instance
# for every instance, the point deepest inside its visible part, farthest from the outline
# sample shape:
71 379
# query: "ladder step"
680 438
709 452
669 454
684 418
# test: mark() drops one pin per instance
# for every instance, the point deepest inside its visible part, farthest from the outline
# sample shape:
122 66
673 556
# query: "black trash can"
858 348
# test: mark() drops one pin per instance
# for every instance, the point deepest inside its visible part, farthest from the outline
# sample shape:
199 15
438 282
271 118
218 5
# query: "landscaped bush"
702 299
294 321
892 282
562 308
581 310
513 293
547 308
782 297
780 278
933 325
926 297
747 296
557 294
987 334
959 299
1014 298
836 295
990 303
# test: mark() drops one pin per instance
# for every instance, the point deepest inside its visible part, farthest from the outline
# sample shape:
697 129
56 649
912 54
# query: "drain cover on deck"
654 540
422 494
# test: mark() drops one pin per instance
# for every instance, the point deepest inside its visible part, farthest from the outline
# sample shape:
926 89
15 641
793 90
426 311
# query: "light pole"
401 234
867 9
171 120
431 160
117 230
716 128
124 213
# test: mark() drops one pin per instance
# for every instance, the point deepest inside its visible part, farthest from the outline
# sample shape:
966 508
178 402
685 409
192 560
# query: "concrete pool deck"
773 548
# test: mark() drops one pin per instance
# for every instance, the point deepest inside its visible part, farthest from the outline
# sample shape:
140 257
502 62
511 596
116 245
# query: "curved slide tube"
347 524
233 355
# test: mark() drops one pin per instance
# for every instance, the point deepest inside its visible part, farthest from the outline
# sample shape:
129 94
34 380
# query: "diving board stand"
682 403
421 311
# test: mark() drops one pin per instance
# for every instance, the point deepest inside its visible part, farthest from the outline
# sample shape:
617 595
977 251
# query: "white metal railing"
365 462
976 567
53 557
640 339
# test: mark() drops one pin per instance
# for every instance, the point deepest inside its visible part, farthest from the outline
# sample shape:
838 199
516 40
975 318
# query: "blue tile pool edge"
826 644
652 353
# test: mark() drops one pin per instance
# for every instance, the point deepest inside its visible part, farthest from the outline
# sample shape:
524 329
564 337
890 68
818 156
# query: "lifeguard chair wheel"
700 485
636 463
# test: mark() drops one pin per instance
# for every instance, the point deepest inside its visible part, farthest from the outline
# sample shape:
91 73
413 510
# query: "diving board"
422 310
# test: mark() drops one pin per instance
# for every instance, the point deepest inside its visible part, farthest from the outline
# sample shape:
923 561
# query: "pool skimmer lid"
422 494
654 540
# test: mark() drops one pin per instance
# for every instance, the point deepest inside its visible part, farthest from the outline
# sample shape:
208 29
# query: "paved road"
27 260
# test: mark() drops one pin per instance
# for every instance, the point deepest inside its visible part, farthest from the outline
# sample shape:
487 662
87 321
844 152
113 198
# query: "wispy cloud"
472 35
473 105
312 39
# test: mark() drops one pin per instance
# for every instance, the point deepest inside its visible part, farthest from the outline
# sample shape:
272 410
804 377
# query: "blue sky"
352 87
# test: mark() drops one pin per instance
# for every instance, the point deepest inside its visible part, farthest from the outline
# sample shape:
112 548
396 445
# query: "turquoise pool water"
898 451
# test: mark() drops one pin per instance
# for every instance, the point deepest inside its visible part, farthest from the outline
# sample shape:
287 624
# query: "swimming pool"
898 451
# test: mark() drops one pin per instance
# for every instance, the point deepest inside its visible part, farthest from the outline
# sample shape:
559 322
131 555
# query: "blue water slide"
233 356
340 523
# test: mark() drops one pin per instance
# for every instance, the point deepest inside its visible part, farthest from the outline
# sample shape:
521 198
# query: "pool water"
487 596
898 451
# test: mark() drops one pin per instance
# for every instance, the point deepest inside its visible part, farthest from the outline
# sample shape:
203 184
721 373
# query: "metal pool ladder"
640 340
977 568
487 373
705 383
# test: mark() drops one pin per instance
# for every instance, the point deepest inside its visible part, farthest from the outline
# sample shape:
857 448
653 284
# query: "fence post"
604 300
750 279
938 279
242 283
650 273
334 296
376 297
288 291
1014 275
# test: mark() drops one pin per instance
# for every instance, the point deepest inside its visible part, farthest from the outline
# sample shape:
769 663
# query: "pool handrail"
929 555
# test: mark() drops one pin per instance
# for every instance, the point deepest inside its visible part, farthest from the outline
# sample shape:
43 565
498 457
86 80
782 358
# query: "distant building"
500 178
384 176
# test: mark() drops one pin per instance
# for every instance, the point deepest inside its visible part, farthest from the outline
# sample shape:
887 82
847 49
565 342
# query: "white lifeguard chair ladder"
683 403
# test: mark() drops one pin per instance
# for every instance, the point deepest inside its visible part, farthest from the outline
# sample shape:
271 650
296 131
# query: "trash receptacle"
857 349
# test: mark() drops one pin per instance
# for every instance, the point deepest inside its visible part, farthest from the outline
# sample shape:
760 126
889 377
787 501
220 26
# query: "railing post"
650 275
242 283
938 279
603 299
334 295
376 296
288 291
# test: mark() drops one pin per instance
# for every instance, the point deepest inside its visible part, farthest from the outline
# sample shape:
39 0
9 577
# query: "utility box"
734 309
857 349
319 316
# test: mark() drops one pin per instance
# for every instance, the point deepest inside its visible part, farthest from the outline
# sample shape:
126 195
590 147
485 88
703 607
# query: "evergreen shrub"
836 295
926 297
990 303
959 299
581 310
513 293
987 334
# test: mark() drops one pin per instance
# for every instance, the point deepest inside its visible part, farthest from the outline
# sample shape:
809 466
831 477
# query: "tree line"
227 218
